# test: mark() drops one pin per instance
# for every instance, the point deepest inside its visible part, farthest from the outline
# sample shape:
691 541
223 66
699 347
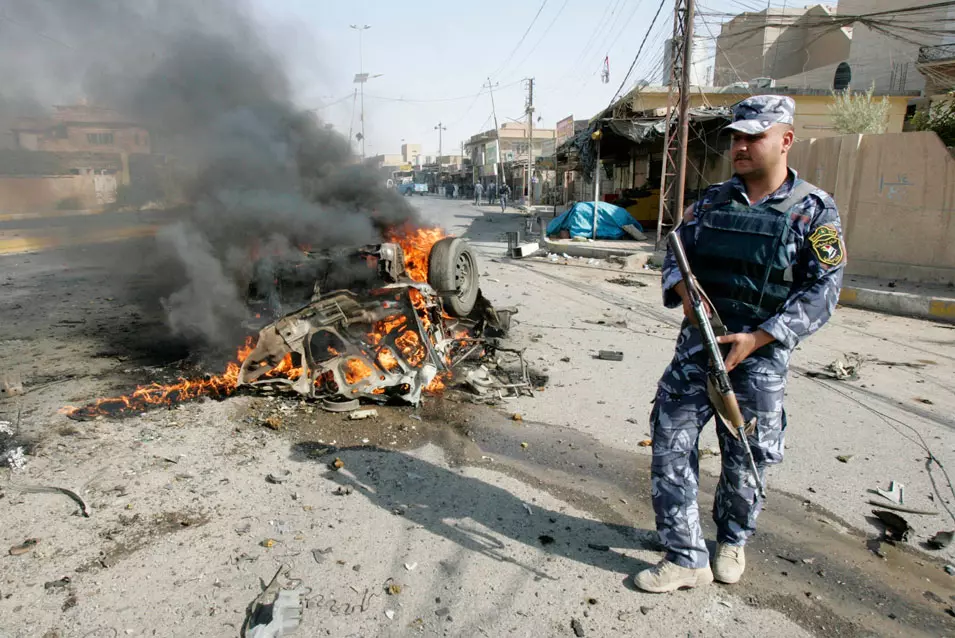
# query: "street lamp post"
361 78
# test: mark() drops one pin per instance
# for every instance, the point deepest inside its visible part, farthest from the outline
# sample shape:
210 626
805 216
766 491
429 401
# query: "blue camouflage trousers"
680 410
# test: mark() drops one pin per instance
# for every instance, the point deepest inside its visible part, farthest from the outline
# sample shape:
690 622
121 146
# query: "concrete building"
385 162
410 153
806 48
701 65
81 128
778 43
509 144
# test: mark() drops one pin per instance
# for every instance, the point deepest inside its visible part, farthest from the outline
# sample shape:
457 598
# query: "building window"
99 138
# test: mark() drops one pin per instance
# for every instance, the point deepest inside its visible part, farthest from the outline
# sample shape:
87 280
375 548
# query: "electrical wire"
543 35
521 41
639 51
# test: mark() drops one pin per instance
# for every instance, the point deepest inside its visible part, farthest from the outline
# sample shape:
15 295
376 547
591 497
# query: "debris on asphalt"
626 281
337 464
896 528
275 612
524 445
57 584
933 597
52 489
577 627
359 415
528 508
11 384
899 508
599 548
788 559
610 355
845 368
709 451
392 588
517 417
545 539
411 566
319 554
340 491
924 400
245 529
844 458
268 543
390 614
644 609
950 570
645 443
895 493
333 404
941 540
278 478
273 423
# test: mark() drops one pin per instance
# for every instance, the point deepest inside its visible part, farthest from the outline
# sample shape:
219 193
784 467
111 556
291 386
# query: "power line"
521 41
543 35
639 51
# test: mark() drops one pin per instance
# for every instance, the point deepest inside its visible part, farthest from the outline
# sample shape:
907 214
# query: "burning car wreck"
411 314
391 341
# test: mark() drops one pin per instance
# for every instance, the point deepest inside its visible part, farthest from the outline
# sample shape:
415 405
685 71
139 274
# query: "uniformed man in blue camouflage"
766 247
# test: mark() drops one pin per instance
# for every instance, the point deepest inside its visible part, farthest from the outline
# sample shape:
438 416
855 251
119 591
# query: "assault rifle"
719 387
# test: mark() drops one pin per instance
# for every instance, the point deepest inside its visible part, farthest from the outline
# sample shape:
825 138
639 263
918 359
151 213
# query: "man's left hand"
744 344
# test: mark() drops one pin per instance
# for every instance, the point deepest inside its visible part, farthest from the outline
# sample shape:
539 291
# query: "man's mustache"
741 156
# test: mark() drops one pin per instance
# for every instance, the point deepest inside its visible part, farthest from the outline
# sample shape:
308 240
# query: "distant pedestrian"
505 192
455 191
478 192
491 193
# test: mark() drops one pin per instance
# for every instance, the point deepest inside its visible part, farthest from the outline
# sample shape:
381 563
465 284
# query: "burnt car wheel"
452 269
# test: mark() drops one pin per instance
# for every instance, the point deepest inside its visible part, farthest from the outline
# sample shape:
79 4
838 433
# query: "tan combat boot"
666 576
729 563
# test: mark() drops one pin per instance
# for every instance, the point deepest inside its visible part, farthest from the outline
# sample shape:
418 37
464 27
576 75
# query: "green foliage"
940 118
859 113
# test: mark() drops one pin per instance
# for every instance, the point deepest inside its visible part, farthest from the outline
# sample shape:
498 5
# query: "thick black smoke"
257 174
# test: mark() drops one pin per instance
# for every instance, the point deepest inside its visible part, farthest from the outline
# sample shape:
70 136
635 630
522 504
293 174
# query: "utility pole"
673 173
529 109
361 78
497 131
439 128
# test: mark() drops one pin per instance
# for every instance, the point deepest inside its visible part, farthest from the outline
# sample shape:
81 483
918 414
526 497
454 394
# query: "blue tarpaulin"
579 220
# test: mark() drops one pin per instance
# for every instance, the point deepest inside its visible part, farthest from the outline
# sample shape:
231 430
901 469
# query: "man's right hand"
680 289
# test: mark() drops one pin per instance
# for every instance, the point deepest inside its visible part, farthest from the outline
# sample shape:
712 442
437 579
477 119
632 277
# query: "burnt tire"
452 271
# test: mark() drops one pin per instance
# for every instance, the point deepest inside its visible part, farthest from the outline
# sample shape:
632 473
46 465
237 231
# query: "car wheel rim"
462 275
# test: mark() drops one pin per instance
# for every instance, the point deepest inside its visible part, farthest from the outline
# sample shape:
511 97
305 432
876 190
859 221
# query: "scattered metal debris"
610 355
546 539
845 368
51 489
897 529
899 508
844 458
11 385
57 584
627 281
941 540
358 415
895 493
275 612
24 547
332 404
280 477
598 547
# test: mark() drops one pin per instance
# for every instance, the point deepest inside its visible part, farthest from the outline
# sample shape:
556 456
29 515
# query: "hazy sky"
435 56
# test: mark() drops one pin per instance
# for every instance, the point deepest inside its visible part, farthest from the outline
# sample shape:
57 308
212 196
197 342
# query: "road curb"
584 249
899 303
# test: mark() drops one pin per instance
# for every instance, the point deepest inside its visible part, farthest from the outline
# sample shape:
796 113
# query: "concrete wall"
812 111
125 139
777 42
35 194
884 60
896 197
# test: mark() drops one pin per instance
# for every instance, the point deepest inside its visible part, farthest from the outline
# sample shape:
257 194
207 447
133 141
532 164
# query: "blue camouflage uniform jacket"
818 266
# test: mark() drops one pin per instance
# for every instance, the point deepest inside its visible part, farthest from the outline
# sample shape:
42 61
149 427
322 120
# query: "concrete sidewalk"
926 301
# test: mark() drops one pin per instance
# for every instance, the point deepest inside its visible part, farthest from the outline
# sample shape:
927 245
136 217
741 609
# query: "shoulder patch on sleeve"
827 246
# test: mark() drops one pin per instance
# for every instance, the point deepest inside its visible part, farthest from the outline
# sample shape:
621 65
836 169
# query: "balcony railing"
940 53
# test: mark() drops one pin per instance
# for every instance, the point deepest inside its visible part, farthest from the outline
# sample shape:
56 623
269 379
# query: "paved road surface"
78 323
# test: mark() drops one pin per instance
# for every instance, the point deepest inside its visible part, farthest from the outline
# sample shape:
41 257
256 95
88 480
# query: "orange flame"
356 370
416 244
387 361
411 348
